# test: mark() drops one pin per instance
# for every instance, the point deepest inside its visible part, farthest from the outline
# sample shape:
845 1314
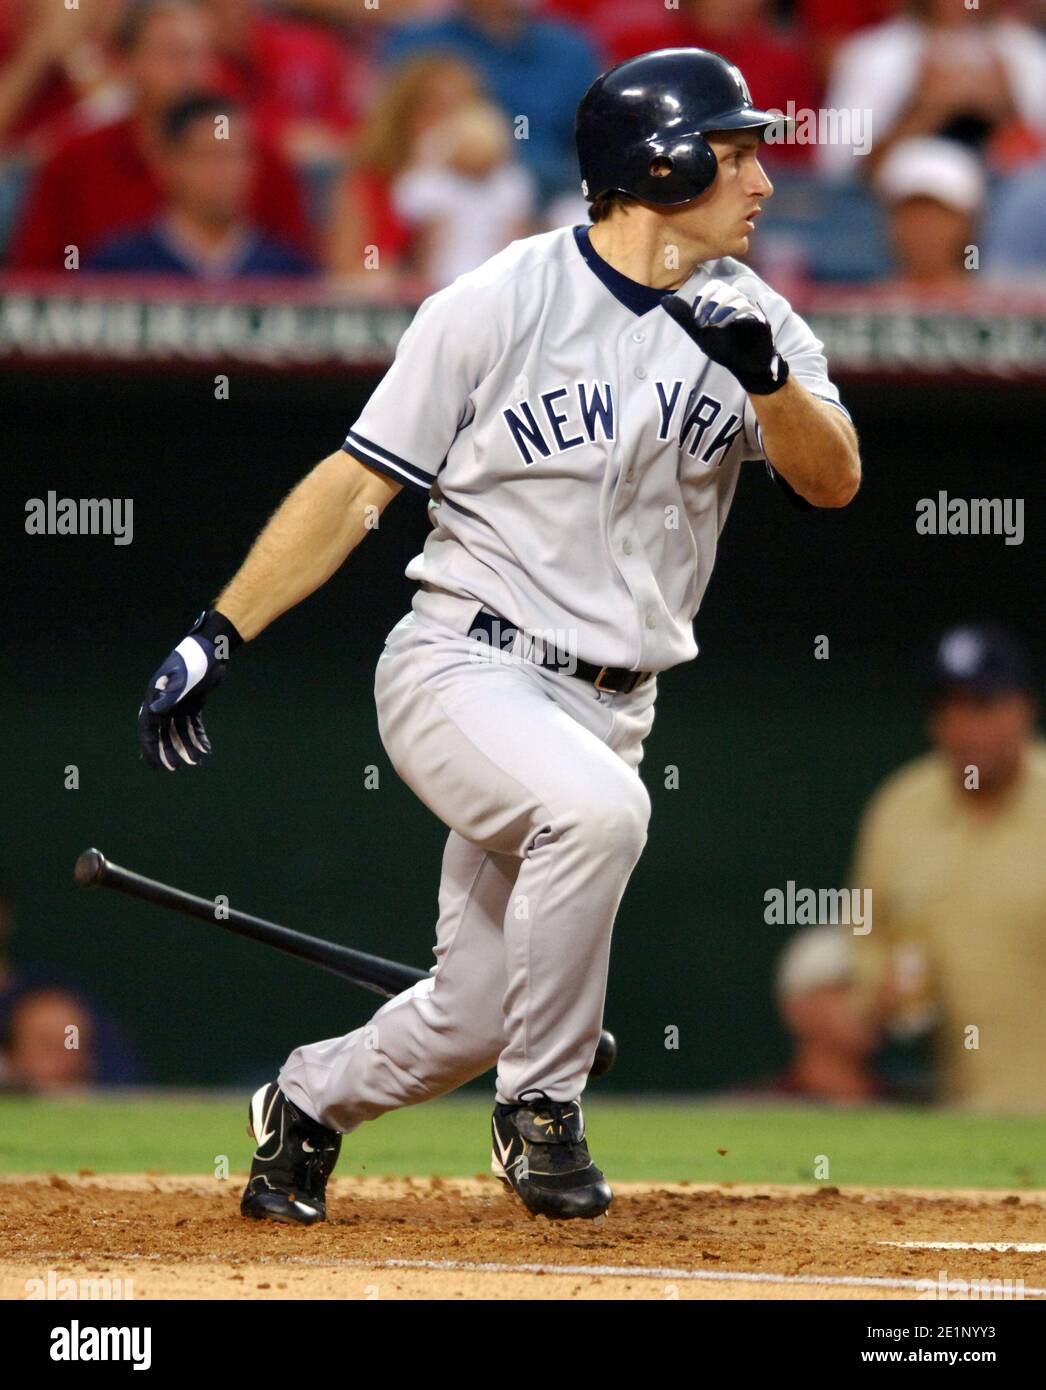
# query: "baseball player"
576 411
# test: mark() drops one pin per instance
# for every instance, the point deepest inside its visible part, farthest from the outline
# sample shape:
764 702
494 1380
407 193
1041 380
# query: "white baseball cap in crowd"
931 167
814 958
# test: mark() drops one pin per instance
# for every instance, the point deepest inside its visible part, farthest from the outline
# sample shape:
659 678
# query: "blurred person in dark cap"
952 848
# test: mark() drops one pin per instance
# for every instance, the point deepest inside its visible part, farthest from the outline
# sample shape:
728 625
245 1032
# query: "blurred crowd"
225 138
938 994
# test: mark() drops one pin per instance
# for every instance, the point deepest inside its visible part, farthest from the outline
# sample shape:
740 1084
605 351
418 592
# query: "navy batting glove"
170 728
734 332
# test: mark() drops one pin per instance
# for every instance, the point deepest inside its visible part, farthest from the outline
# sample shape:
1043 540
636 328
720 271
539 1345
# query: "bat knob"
606 1054
90 868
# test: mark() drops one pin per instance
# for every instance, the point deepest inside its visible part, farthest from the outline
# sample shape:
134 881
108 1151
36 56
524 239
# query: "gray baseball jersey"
580 450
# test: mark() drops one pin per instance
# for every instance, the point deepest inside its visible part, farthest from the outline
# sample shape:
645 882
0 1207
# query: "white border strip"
711 1276
715 1276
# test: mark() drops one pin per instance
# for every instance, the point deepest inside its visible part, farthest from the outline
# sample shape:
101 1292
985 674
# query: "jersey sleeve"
410 422
804 353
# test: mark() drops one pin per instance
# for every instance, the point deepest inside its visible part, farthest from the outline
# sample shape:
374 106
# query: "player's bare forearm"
811 444
308 537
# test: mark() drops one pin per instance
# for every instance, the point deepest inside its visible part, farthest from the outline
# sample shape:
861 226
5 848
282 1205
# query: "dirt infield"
435 1238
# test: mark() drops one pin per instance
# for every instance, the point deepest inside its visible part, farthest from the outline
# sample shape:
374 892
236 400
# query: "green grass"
652 1140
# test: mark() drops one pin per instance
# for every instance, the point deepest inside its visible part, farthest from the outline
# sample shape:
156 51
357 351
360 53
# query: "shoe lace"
553 1110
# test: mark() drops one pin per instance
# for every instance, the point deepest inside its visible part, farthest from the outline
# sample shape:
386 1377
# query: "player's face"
724 218
985 732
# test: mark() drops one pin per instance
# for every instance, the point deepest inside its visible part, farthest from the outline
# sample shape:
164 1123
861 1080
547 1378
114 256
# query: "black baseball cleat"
540 1151
295 1157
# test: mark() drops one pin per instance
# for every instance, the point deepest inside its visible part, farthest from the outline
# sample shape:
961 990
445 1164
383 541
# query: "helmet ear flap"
705 166
676 173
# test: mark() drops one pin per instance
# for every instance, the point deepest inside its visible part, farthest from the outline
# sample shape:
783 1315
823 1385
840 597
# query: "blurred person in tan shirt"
953 848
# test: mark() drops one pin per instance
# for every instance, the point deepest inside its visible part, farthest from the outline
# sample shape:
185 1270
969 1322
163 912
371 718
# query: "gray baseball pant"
536 774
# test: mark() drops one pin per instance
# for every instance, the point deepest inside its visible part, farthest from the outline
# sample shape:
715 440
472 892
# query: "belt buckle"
606 689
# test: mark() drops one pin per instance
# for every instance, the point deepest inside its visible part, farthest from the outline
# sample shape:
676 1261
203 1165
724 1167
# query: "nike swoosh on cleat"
261 1133
503 1150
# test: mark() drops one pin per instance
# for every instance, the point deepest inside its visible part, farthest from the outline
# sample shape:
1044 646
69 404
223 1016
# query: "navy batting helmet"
641 126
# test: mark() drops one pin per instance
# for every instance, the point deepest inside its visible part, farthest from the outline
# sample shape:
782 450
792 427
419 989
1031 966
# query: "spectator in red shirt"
108 179
776 66
205 231
299 80
53 63
418 95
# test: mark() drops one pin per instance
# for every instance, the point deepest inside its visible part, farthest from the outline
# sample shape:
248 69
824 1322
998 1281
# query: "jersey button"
651 621
627 547
639 337
641 374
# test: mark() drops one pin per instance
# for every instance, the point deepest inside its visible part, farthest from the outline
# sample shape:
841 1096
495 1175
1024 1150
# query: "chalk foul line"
1003 1247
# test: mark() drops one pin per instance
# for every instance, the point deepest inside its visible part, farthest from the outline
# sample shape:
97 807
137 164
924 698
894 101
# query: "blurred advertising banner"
996 334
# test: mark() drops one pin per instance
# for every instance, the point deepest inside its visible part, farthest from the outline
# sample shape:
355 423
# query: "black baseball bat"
386 977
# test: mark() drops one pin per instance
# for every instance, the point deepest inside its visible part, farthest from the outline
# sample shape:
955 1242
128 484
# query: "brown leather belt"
500 633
